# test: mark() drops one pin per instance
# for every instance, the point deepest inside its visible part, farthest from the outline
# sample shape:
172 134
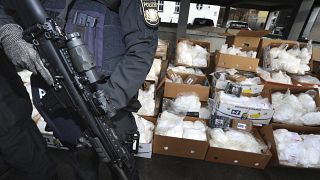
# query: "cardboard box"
203 44
244 125
258 116
241 158
247 90
145 149
298 83
171 90
266 60
162 49
180 147
236 62
247 40
264 42
316 54
267 134
271 84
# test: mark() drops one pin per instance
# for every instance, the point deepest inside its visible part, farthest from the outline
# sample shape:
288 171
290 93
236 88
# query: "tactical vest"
100 28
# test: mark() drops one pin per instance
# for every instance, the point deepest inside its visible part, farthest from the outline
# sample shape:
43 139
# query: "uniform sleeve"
5 12
141 42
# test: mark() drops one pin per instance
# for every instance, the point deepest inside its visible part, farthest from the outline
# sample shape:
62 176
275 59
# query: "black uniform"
123 42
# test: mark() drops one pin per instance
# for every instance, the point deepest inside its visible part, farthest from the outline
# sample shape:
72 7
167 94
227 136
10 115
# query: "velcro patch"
150 12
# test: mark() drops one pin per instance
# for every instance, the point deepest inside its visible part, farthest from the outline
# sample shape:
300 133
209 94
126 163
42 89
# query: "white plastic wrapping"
185 70
147 101
297 150
145 129
155 70
170 125
278 77
294 60
173 125
25 77
307 79
252 102
205 112
235 140
186 102
191 55
194 130
237 51
292 109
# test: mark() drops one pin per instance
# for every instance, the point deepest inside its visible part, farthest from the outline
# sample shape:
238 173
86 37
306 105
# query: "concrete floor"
173 168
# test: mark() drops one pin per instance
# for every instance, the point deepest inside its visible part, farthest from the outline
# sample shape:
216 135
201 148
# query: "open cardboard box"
266 60
247 90
180 147
241 158
203 44
264 42
271 84
267 134
293 90
303 84
247 40
236 62
145 149
258 116
172 90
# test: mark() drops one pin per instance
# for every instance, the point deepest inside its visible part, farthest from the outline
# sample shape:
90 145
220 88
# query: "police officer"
121 35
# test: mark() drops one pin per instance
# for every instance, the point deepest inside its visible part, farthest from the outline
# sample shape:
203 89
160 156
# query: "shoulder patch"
150 12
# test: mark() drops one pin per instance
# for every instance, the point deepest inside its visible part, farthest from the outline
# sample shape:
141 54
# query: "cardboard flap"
248 33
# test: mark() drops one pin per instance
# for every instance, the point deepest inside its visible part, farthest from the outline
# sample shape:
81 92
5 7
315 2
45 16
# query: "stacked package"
236 140
300 109
191 54
172 125
297 150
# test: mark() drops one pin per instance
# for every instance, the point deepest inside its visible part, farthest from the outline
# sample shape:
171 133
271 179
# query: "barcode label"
241 126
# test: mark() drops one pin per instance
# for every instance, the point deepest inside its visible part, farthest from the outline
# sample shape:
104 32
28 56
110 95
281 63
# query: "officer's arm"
141 42
5 12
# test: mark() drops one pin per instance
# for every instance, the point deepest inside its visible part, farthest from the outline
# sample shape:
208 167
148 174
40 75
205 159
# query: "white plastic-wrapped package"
147 101
292 109
170 125
155 70
200 56
289 111
25 77
251 81
307 102
194 130
307 79
191 55
205 112
184 53
294 60
187 102
237 51
279 77
145 128
254 102
235 140
297 150
185 70
174 126
311 119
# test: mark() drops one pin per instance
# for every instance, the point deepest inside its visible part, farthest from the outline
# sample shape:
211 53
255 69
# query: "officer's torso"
100 27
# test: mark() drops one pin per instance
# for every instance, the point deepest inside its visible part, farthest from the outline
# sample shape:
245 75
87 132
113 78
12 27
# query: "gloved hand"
22 53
